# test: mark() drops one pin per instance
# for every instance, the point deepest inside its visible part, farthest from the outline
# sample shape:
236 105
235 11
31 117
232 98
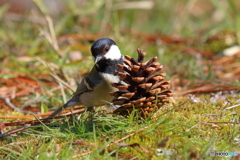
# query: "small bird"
94 89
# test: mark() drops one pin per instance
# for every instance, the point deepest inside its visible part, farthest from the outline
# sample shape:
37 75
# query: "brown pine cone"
145 88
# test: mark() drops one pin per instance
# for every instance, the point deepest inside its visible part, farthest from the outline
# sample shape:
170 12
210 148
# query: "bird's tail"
70 103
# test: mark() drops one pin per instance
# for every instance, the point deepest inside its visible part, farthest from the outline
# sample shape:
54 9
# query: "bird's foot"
113 107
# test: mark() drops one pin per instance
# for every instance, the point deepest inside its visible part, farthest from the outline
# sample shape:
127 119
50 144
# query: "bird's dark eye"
106 49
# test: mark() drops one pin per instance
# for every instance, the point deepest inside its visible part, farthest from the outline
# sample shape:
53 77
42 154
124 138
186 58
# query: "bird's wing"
89 82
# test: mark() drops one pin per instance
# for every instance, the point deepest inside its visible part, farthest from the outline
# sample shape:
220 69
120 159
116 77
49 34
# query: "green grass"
185 125
189 129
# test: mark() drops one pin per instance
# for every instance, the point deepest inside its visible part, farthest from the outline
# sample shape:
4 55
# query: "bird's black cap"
101 46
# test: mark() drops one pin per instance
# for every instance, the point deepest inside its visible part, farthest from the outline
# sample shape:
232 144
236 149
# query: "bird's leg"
113 107
90 109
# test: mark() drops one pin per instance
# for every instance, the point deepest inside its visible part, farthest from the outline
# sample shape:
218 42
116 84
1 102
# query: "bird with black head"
94 89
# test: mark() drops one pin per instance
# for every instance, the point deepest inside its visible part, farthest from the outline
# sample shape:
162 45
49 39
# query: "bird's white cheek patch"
114 53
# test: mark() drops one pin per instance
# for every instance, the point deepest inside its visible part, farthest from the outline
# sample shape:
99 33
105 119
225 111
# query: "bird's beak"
98 58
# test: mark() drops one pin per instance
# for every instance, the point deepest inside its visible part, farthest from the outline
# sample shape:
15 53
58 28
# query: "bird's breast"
100 95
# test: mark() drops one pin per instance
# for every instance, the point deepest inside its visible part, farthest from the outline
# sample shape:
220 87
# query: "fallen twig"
130 135
220 122
10 105
91 145
65 113
234 106
116 142
33 123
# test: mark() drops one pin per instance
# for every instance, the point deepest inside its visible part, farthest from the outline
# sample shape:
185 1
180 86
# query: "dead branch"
10 105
